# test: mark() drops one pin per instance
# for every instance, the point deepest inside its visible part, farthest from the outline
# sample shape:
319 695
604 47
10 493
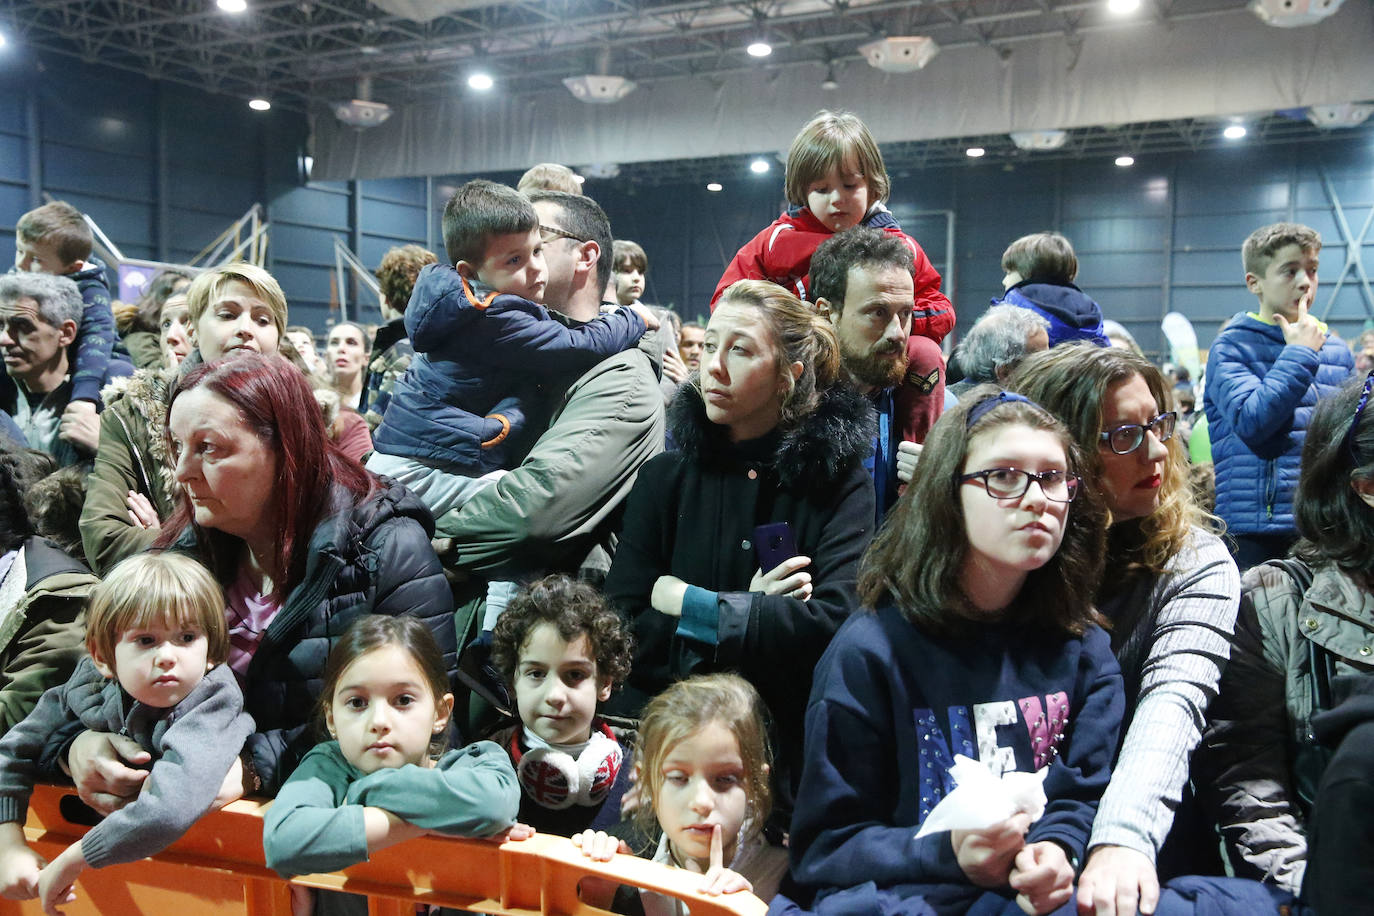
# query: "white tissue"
981 799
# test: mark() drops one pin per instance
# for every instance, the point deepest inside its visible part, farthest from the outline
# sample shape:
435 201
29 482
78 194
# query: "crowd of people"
741 595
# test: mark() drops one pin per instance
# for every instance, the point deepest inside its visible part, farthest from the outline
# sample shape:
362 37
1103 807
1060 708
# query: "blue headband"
1355 422
981 409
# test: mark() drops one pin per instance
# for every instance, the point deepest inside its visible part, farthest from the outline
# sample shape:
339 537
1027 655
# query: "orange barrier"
217 868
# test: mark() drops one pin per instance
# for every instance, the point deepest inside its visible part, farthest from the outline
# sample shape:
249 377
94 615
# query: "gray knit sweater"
1172 635
193 745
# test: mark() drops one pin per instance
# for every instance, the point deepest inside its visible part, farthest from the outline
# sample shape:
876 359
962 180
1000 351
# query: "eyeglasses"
1125 439
549 233
1012 483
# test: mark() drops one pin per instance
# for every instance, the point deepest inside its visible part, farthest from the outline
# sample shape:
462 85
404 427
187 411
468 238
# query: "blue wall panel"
69 168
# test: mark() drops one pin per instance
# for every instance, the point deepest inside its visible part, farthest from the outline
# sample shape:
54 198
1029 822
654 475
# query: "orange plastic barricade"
217 868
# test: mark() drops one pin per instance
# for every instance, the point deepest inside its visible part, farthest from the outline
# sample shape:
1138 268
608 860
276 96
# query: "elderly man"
39 317
998 340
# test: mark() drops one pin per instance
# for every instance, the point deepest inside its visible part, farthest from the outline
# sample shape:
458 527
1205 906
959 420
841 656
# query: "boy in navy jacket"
54 239
482 344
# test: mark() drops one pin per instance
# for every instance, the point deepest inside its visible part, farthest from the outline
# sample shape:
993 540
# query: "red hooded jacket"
782 253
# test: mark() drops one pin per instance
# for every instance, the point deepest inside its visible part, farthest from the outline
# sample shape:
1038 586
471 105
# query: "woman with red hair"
302 539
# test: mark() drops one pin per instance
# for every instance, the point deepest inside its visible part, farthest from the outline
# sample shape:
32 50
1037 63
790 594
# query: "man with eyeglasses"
559 508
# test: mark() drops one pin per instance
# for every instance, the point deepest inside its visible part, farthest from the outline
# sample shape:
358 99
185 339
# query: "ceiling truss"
307 52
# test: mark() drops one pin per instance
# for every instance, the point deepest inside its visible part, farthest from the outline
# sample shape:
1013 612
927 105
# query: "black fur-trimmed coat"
692 515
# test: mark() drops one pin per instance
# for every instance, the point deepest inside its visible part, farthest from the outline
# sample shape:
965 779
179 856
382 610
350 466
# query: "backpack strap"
1319 658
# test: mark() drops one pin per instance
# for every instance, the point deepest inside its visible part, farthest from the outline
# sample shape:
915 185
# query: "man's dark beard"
879 370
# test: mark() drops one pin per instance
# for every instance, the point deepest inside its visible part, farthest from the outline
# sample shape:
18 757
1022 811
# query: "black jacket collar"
820 448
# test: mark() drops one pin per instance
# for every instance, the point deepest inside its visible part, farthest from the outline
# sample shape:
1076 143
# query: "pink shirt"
248 615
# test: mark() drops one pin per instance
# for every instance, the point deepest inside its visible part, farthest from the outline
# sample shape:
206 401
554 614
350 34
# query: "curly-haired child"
562 650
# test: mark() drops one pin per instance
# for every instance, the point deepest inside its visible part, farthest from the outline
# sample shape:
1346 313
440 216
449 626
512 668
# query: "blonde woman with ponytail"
740 548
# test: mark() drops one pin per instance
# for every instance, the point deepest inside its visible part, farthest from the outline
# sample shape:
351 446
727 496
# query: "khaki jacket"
1245 768
49 633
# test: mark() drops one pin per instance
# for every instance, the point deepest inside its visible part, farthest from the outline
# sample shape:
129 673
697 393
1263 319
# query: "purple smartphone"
774 543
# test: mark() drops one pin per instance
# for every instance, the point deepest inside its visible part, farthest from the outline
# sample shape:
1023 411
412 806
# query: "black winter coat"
374 557
692 515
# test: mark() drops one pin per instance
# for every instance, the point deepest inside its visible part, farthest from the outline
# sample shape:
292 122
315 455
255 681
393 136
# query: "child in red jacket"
836 181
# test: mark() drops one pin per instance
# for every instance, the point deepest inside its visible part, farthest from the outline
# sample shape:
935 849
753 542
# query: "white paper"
981 799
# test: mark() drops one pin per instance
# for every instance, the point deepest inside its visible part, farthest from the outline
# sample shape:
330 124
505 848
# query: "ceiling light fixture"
1339 116
1234 131
759 166
259 104
1292 14
361 112
1039 139
599 88
975 152
715 186
480 81
232 6
1125 161
1123 7
759 48
900 53
579 178
830 84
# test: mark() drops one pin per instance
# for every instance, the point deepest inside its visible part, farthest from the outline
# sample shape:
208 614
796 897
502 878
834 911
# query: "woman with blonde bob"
1170 593
766 437
233 309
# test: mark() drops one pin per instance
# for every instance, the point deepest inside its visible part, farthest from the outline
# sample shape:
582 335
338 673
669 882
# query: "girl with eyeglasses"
1169 592
982 642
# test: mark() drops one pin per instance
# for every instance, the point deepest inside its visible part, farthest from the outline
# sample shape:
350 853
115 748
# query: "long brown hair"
1071 381
917 556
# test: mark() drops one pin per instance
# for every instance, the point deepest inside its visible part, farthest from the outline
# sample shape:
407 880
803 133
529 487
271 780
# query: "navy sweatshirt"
891 707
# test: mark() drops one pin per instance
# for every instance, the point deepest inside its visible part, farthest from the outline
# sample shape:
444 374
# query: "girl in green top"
381 779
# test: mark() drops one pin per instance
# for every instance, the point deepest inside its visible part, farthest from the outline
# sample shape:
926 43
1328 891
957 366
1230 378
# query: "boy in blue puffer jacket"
458 418
1265 372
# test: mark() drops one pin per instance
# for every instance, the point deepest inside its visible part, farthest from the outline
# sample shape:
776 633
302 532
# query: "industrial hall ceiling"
315 51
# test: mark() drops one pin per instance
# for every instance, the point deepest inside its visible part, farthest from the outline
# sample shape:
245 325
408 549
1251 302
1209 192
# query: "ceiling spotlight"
1125 161
1123 7
715 186
830 84
232 6
480 81
259 104
759 48
759 166
579 178
1234 131
975 152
